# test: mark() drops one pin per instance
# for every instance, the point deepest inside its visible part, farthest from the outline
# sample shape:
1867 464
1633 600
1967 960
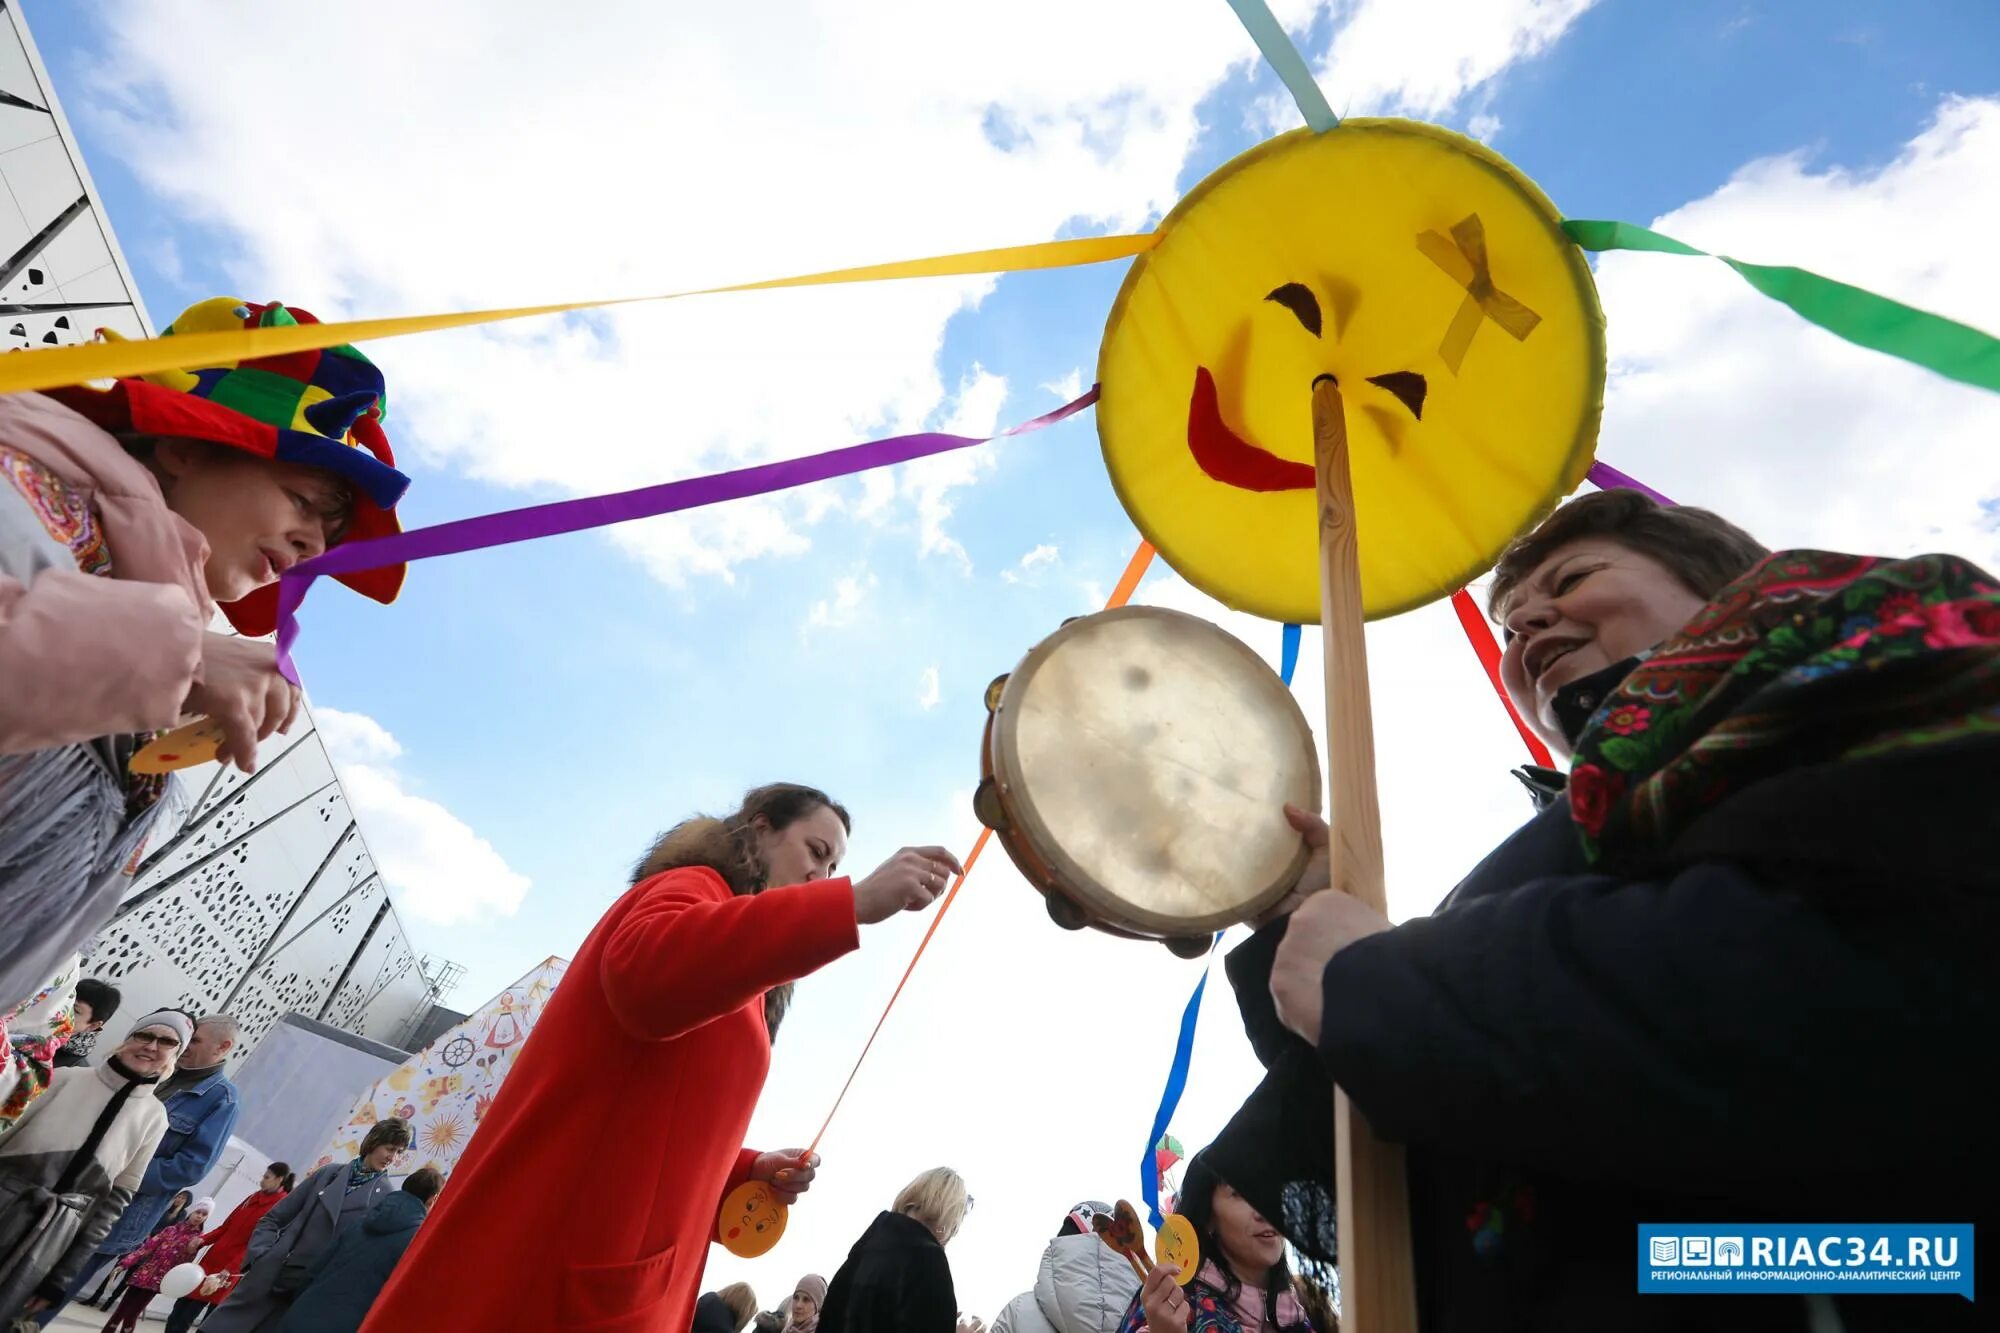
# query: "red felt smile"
1229 458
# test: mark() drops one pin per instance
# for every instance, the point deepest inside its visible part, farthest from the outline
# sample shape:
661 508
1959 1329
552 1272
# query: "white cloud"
839 611
487 156
1044 554
1069 387
355 737
929 482
927 689
438 869
1720 397
1483 126
1422 59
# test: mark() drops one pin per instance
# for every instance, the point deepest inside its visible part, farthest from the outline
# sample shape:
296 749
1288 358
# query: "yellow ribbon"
1463 256
53 367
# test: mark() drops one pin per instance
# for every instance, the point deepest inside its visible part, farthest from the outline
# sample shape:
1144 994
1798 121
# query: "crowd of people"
97 1177
896 1279
1736 966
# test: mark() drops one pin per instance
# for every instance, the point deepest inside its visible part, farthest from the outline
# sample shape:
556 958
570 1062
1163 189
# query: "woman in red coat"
227 1245
660 1035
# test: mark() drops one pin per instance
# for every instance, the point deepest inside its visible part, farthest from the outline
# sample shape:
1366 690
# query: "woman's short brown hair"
391 1131
1703 550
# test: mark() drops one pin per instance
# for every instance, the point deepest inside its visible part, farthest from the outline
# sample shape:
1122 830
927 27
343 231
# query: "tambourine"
1136 765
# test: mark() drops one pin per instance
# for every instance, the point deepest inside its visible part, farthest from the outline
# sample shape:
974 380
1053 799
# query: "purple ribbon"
597 511
1606 477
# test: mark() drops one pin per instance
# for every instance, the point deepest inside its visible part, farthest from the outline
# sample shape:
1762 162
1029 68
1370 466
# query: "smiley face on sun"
1434 282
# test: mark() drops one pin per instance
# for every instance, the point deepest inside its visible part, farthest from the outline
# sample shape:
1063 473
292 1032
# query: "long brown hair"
728 846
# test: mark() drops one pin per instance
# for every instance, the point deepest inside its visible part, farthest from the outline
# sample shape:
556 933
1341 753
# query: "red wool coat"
228 1243
623 1115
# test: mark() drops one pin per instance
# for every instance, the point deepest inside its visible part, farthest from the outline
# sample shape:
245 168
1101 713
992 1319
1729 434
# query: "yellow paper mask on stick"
1434 282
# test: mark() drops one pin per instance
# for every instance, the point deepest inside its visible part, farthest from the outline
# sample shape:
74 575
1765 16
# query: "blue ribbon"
1177 1073
1170 1097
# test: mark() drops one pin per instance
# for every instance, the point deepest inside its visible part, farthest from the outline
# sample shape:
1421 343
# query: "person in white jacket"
1082 1287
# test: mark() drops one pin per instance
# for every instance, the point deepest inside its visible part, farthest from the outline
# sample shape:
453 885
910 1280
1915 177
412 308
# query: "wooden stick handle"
1377 1279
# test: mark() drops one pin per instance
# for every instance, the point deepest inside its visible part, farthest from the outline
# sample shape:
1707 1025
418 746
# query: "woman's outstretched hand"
909 881
789 1173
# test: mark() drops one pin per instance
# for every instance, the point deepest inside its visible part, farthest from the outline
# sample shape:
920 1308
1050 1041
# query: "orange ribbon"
1128 583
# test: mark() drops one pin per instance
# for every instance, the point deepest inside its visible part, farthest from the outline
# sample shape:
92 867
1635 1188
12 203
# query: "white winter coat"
1083 1287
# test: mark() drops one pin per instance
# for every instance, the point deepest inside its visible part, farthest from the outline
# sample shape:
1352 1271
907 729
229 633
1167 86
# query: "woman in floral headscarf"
1739 967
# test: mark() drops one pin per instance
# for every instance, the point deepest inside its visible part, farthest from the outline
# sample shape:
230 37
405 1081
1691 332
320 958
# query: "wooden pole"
1377 1280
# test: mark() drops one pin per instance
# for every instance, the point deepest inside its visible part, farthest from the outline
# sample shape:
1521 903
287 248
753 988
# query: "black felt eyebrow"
1408 386
1298 298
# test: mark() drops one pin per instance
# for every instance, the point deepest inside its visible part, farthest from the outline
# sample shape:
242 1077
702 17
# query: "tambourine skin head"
1138 762
1434 282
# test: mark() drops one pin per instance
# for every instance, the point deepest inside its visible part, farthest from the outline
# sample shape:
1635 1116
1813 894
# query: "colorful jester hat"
321 409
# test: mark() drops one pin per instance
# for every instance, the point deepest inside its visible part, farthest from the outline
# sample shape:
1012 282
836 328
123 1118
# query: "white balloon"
181 1281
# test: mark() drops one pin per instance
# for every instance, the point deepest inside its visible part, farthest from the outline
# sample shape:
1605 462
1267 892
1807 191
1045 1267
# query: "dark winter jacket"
348 1277
713 1315
1759 1031
895 1280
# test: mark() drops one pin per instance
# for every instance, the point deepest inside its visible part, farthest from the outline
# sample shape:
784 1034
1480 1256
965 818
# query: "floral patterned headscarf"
1811 658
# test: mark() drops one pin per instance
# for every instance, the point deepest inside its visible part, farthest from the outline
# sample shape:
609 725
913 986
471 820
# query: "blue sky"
564 700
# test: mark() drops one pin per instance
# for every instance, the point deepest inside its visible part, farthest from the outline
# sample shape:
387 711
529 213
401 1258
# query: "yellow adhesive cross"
1463 257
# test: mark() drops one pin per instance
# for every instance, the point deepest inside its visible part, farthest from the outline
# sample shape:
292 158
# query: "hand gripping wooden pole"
1377 1281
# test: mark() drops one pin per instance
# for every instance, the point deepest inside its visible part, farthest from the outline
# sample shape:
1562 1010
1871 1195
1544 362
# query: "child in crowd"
164 1251
1243 1285
129 510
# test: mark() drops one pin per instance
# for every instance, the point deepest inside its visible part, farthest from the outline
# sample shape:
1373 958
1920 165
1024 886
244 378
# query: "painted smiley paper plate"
752 1220
183 747
1434 282
1176 1243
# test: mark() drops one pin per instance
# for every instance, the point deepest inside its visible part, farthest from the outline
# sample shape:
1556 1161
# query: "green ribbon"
1956 351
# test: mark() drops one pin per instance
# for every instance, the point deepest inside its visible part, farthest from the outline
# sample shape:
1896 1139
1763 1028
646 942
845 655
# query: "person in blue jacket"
201 1107
350 1275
